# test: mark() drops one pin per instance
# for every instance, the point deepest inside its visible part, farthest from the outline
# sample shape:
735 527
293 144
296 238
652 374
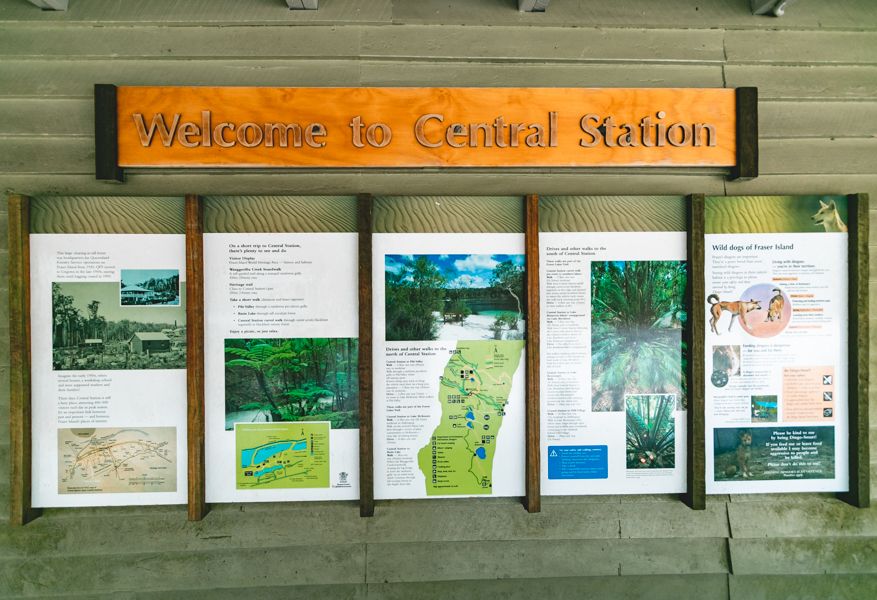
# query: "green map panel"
474 391
282 455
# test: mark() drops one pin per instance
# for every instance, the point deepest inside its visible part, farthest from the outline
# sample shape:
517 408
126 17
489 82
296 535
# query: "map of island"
282 455
473 393
117 460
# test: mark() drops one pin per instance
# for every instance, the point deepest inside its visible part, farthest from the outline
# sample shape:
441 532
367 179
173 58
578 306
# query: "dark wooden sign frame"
22 512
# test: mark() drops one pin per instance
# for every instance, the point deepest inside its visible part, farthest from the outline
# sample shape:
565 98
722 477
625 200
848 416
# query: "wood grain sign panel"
420 127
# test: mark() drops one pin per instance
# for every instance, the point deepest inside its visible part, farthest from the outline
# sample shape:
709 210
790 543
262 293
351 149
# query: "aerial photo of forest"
292 379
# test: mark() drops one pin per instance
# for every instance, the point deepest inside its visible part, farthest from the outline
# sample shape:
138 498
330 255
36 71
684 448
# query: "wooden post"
366 441
21 511
746 134
695 340
195 355
106 139
533 499
859 493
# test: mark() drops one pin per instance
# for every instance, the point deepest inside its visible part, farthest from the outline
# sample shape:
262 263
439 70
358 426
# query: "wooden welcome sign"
222 127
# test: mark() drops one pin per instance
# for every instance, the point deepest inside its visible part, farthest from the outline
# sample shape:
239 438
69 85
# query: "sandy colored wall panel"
102 214
448 214
265 214
612 213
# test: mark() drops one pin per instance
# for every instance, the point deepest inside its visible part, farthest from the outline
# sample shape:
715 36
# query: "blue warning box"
578 462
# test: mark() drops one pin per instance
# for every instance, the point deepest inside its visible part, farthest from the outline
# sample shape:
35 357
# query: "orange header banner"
177 127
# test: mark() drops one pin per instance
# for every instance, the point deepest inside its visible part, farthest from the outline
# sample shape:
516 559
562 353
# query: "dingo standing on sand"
775 306
829 217
739 308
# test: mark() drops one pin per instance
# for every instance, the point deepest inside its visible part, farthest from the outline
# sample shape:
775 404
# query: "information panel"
449 328
776 344
612 362
281 358
108 315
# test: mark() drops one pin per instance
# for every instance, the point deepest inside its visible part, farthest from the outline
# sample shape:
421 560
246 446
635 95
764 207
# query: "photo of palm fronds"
637 315
651 431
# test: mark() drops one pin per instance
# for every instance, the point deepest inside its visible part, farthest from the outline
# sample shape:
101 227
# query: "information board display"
613 389
281 357
108 322
449 330
776 344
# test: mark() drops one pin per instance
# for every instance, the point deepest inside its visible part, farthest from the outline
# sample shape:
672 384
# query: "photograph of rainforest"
292 379
454 297
637 315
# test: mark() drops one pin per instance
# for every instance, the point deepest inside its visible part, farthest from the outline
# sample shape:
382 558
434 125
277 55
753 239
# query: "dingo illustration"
775 306
829 217
738 308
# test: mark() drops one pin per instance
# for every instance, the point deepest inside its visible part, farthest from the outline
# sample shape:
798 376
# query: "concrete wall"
816 70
